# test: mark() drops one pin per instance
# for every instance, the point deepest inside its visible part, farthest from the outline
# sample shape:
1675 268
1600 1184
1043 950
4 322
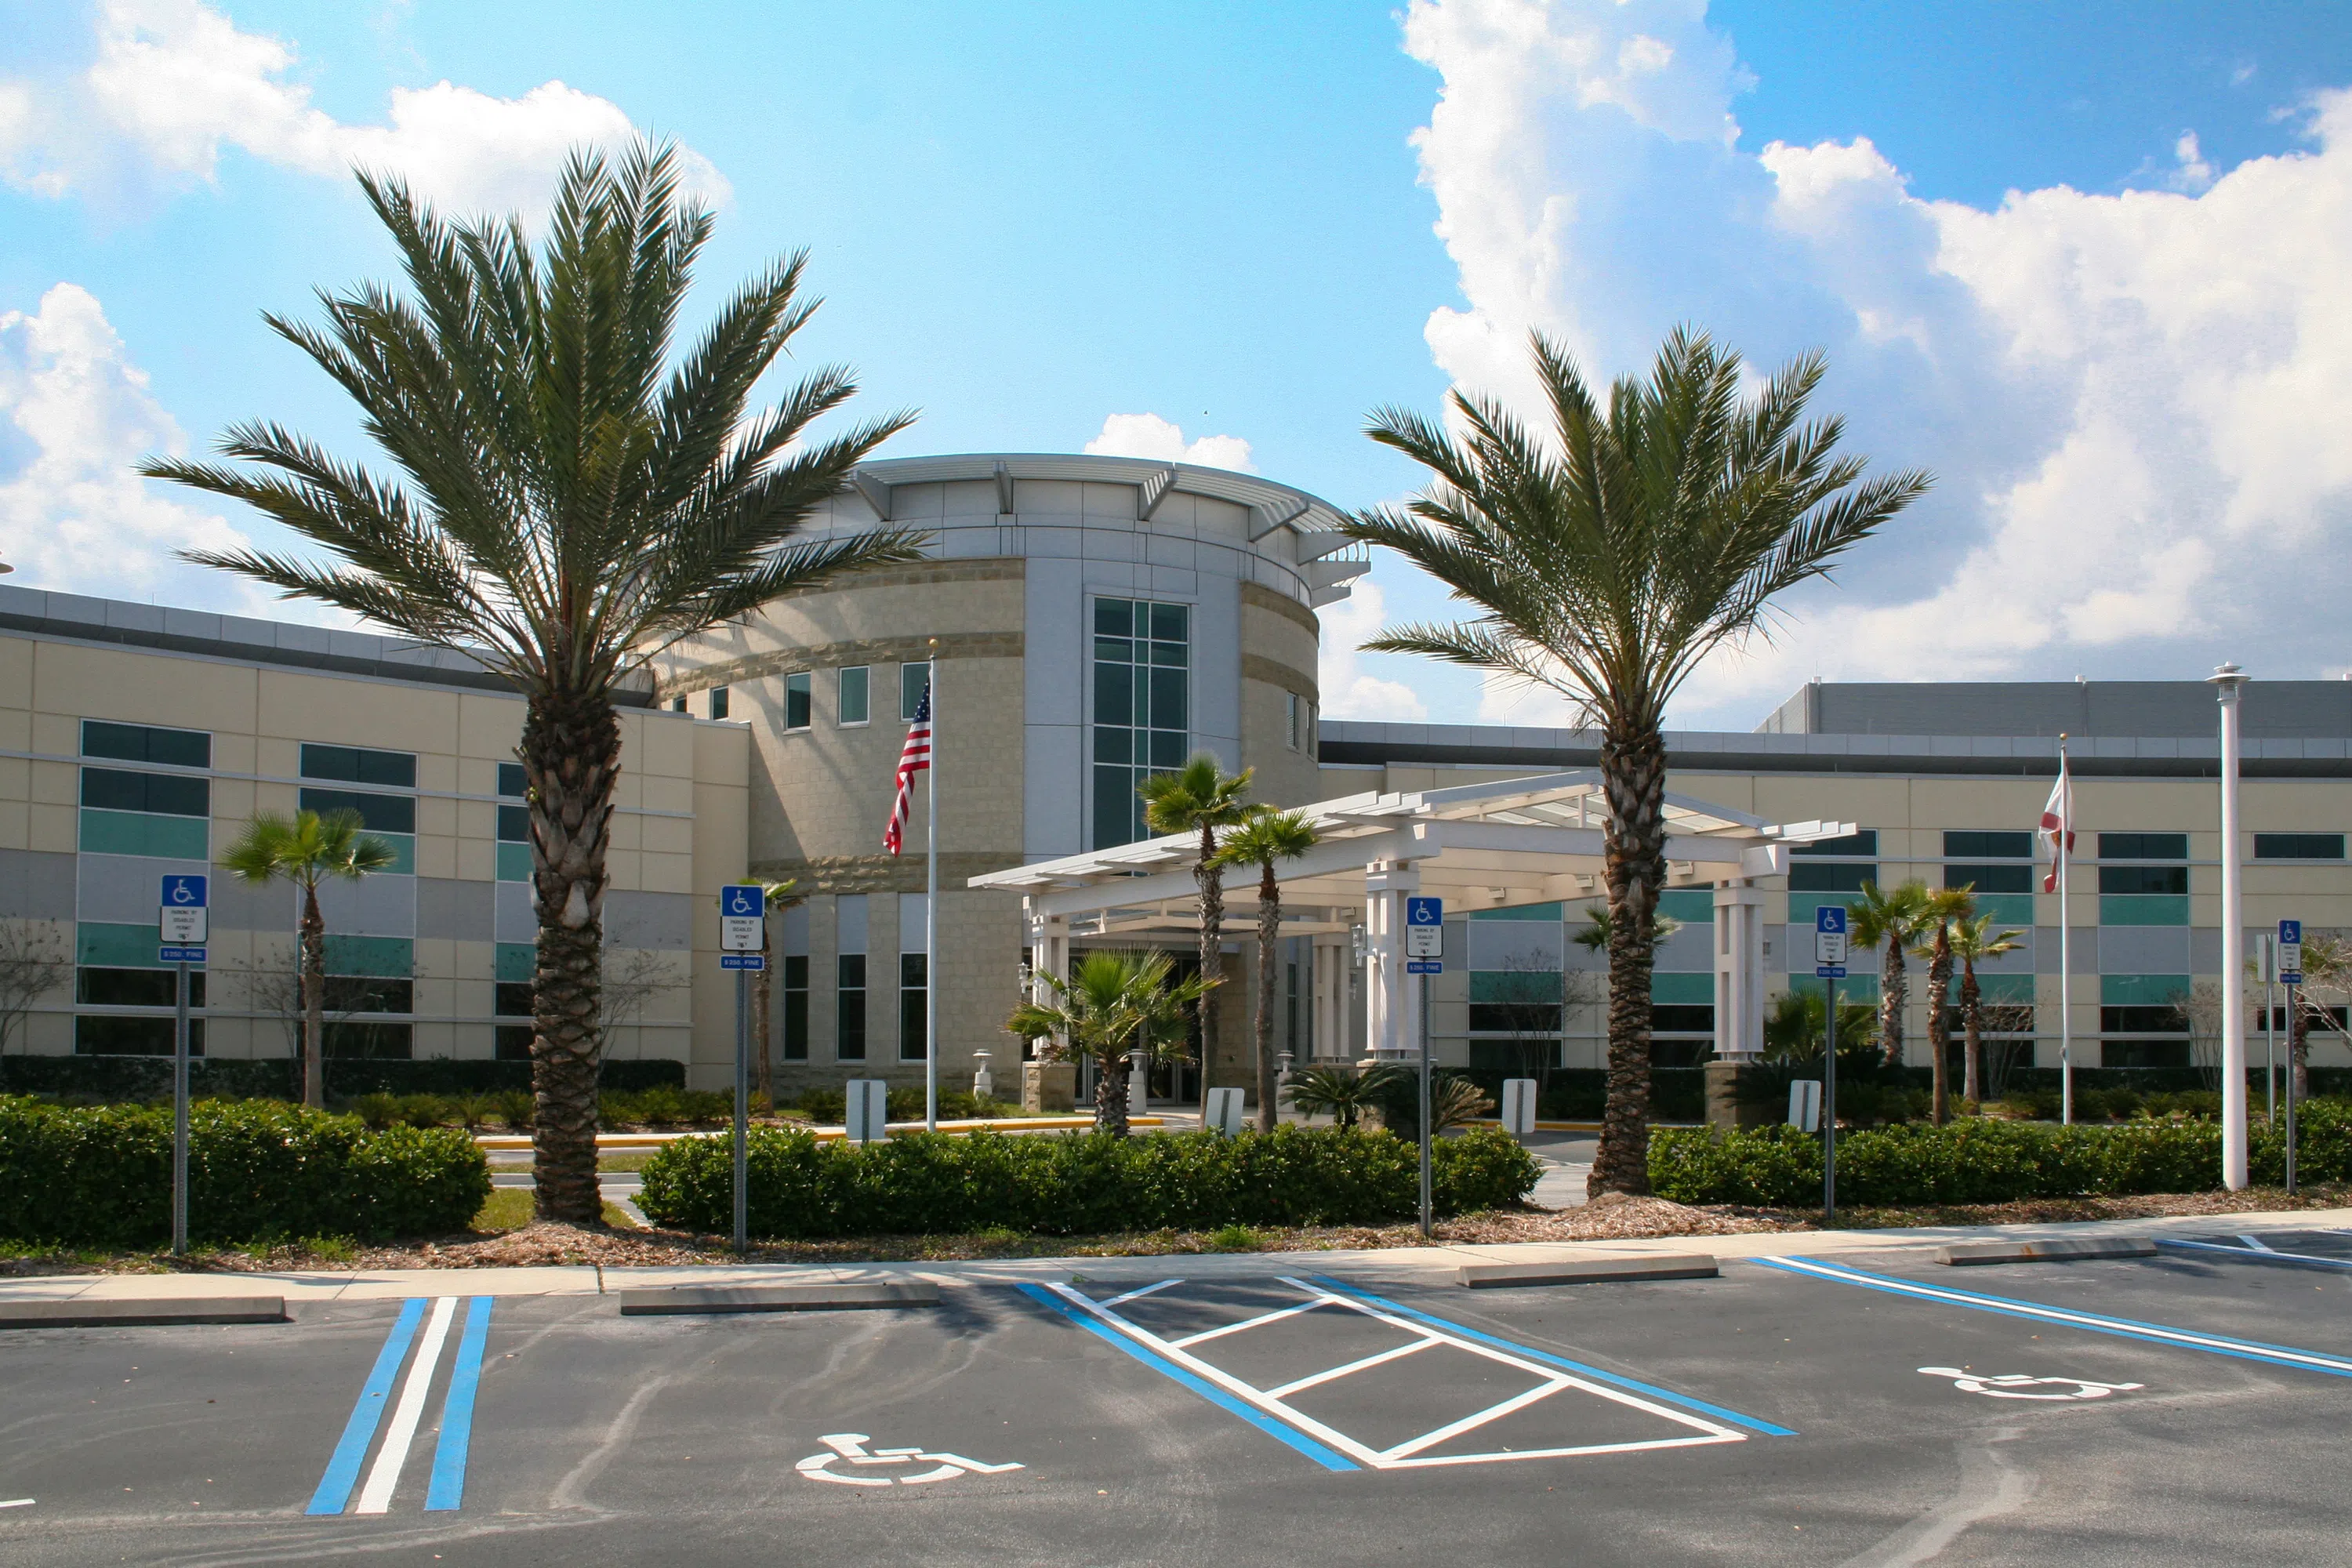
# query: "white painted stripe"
1423 1461
1246 1323
17 1502
2255 1242
376 1495
1475 1419
1147 1291
1287 1389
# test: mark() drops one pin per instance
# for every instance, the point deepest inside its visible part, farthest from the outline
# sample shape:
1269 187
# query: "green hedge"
149 1078
101 1177
1078 1183
1984 1162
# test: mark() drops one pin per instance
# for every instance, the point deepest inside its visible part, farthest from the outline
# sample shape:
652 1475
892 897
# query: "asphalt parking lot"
2184 1409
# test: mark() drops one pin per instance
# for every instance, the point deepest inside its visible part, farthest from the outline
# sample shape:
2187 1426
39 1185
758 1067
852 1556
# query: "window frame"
865 674
912 1023
842 993
910 692
800 684
715 703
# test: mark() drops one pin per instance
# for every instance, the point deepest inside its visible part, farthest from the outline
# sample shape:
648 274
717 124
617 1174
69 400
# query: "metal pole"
2270 1029
1829 1104
2291 999
932 913
2065 942
742 1106
2227 680
1421 983
180 1121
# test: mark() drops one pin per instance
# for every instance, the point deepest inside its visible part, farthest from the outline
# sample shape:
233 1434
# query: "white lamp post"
2227 679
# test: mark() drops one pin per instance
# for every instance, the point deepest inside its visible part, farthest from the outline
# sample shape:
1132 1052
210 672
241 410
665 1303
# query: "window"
796 700
1989 846
849 1025
914 680
2144 879
2145 1054
102 1036
511 1042
136 988
1681 1018
2143 1020
856 695
2298 847
1142 714
514 825
2337 1016
1862 846
513 783
796 1008
677 704
166 795
146 743
914 996
1290 706
718 702
1831 877
395 769
369 1042
378 813
512 999
1991 878
2143 846
370 993
1515 1018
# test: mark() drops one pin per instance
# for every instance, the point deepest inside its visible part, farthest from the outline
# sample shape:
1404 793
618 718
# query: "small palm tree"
1268 837
306 849
1595 934
1343 1091
1608 559
1112 1003
575 496
1797 1027
1891 916
1943 908
1974 941
1202 797
777 897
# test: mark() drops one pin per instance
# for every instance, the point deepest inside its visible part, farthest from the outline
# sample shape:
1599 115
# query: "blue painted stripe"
344 1467
449 1489
2067 1317
1648 1391
1314 1450
2289 1259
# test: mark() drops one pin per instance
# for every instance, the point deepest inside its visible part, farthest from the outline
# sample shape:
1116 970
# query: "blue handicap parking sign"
1424 911
741 900
184 892
1829 919
2290 934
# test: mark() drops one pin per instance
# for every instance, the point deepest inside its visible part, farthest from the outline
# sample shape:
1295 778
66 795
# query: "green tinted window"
1142 707
355 764
146 743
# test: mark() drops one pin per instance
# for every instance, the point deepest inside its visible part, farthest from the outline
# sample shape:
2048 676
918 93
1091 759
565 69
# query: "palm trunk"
1633 776
571 750
2298 1046
763 1068
314 1000
1110 1094
1893 989
1212 925
1939 1032
1972 1048
1269 933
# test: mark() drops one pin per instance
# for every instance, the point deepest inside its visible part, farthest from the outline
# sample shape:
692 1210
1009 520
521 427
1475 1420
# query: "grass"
509 1209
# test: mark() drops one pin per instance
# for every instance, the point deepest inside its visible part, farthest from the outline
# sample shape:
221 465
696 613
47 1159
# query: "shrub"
256 1170
137 1079
825 1106
922 1183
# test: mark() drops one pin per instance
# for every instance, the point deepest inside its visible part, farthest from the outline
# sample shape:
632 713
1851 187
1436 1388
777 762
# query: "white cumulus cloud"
1150 436
175 83
1349 692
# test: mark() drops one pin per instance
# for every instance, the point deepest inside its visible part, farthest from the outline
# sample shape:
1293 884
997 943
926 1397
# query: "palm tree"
775 898
1112 1003
1610 562
306 849
1344 1092
1202 797
1595 934
1264 838
1796 1028
1891 917
1941 910
1974 941
575 498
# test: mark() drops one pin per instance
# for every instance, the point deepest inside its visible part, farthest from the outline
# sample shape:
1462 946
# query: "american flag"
913 758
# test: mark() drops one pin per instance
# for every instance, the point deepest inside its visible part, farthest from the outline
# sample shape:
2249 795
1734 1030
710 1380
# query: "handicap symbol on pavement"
2013 1385
849 1449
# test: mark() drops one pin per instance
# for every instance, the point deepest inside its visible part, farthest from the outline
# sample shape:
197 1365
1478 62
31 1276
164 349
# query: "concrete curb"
707 1299
2047 1251
1586 1271
119 1313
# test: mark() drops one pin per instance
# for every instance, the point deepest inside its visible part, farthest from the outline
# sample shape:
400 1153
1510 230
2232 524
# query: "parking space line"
2255 1242
376 1495
1147 1291
2124 1328
1581 1369
1475 1419
2262 1254
1246 1323
1311 1379
448 1486
343 1465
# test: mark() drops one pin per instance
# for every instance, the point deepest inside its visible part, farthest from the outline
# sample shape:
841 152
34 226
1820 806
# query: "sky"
2084 262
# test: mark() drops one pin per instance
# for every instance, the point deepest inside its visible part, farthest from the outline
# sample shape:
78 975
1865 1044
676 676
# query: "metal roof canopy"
1479 847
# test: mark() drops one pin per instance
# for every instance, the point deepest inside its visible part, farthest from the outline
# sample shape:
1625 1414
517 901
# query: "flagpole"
2065 942
931 910
2227 679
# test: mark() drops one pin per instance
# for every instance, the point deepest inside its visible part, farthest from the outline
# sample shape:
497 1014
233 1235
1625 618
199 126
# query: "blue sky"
2117 346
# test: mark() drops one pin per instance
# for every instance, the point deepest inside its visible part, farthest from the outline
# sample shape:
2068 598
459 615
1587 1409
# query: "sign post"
743 934
1425 951
1829 966
2290 974
181 922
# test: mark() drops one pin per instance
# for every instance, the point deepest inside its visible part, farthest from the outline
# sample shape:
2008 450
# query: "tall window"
913 680
849 1033
796 700
718 702
1143 656
914 1002
796 1007
857 693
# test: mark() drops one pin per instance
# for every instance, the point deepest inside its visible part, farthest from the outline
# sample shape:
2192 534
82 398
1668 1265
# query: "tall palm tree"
575 495
1973 942
1610 559
1889 916
775 898
1943 908
306 849
1268 837
1112 1003
1202 797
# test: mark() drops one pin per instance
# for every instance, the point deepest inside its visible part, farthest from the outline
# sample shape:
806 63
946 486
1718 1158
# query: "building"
1087 620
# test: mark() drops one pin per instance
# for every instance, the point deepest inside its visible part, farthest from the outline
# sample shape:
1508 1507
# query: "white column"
1738 972
1328 1009
1049 954
1391 1005
2227 679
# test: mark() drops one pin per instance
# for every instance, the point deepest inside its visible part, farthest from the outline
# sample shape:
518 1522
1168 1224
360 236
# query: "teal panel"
1803 905
102 946
1523 913
142 833
2008 910
517 962
2005 990
1855 988
1684 990
1691 906
2144 910
386 957
403 852
514 862
1515 985
2141 990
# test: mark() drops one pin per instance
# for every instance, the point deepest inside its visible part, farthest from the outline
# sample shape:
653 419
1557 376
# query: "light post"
2227 681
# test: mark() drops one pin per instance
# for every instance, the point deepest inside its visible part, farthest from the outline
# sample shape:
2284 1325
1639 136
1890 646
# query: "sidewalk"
1403 1265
